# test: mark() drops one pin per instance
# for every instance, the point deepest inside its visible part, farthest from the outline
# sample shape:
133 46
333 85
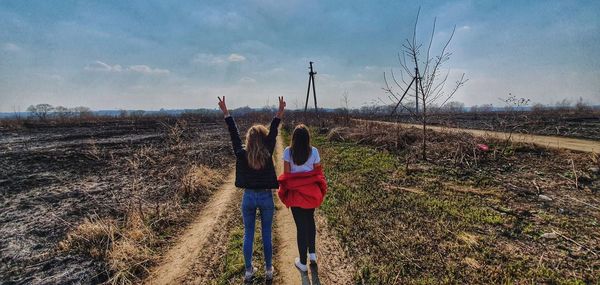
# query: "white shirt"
313 159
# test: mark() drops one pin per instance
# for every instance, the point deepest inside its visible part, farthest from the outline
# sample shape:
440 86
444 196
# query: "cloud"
464 28
144 69
11 47
208 59
234 57
99 66
103 67
247 80
216 60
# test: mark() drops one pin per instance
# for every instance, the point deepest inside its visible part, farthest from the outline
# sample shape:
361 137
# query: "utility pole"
311 81
417 80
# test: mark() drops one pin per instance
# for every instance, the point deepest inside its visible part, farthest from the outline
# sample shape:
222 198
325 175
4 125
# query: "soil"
206 268
53 176
583 124
177 261
543 141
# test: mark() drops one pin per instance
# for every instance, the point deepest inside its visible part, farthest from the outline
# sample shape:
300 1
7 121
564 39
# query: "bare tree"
582 106
40 110
423 73
454 107
62 112
563 105
345 107
513 121
82 111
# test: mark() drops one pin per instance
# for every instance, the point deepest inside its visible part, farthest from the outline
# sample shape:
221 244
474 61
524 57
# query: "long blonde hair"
256 150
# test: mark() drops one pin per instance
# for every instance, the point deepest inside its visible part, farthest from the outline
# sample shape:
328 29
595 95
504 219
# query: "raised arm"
274 128
236 141
281 108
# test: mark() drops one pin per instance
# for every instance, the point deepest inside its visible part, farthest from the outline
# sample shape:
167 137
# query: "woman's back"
307 166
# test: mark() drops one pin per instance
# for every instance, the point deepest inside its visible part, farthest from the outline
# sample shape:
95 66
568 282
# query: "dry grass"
130 245
443 147
199 180
125 247
130 256
484 219
94 237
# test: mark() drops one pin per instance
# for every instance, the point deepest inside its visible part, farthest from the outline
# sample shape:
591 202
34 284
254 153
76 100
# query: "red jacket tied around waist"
303 189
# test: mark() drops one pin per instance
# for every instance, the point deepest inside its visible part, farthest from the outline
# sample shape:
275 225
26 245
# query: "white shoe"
300 266
269 273
249 274
313 258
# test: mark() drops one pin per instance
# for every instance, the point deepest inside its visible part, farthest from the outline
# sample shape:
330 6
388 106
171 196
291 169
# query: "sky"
152 54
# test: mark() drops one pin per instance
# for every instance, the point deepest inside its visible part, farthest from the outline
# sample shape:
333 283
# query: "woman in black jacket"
255 172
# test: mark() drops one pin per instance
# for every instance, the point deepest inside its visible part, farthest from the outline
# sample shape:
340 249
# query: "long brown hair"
256 150
300 146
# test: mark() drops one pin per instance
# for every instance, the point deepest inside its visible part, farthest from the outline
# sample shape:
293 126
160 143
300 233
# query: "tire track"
181 257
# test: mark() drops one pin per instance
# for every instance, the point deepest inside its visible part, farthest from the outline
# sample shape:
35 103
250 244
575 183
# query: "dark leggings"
306 231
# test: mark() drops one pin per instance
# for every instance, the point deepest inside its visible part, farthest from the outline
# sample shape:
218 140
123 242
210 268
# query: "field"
123 200
84 202
564 123
512 215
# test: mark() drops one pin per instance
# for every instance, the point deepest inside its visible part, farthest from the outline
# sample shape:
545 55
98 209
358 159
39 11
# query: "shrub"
198 180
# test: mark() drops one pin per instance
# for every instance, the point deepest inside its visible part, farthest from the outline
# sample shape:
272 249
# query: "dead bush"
93 237
175 132
125 248
338 134
453 147
198 181
130 256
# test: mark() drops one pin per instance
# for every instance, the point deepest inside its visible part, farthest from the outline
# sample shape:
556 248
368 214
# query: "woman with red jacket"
302 187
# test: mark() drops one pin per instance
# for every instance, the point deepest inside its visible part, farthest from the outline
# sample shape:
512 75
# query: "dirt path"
187 254
334 266
181 257
545 141
285 233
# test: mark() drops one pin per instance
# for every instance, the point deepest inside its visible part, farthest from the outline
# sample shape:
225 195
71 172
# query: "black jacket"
245 176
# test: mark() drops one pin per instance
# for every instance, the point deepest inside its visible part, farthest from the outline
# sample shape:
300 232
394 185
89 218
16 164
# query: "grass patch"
415 227
232 266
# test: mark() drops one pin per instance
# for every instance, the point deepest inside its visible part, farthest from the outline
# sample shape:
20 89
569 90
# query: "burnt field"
90 202
567 123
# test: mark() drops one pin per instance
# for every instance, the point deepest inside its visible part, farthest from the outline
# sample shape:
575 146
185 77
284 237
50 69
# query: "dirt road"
285 233
545 141
187 253
334 266
180 258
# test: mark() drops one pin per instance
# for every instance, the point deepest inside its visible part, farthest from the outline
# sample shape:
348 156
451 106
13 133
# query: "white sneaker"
300 266
313 258
249 274
269 273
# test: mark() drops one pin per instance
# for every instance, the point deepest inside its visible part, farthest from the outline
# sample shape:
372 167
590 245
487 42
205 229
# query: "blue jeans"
262 200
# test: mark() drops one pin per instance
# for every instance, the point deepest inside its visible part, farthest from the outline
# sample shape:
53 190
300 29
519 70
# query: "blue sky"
183 54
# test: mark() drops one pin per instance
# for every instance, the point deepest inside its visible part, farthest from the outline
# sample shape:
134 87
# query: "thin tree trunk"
424 131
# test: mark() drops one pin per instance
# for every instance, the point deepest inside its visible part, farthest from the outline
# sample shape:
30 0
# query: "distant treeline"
47 111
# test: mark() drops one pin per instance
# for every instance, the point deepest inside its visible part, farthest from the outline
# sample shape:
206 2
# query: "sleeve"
235 136
286 155
273 131
317 156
